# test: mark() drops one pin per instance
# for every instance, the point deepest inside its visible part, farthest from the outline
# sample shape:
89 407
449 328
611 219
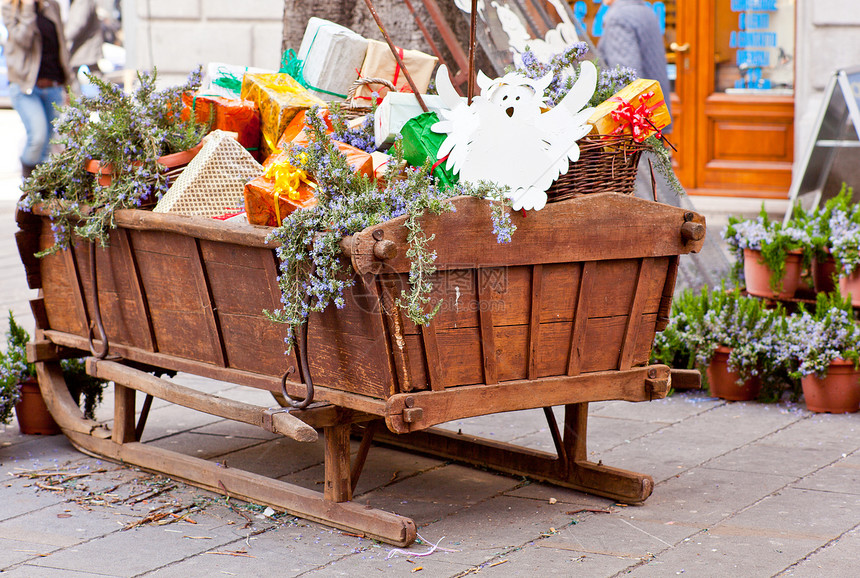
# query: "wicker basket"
606 164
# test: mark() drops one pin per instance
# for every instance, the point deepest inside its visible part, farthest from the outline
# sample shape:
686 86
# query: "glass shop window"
754 46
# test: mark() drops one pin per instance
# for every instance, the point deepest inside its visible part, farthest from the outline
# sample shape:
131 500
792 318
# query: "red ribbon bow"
638 118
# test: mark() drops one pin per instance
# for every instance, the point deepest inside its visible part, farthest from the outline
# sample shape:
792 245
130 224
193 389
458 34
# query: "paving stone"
430 496
383 466
842 476
677 408
839 559
504 427
545 558
604 433
205 446
31 571
495 526
372 564
821 431
278 457
741 554
766 458
801 514
704 496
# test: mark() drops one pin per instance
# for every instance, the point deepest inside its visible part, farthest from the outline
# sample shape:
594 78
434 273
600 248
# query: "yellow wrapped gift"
638 109
279 98
380 63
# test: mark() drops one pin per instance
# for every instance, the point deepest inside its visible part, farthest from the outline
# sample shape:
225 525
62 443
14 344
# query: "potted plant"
817 223
826 346
735 339
771 256
843 223
19 388
125 139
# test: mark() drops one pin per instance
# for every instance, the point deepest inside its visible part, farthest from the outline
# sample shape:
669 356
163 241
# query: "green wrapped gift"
419 143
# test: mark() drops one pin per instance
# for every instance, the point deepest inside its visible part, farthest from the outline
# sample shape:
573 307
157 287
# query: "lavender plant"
313 272
128 132
702 322
816 338
772 239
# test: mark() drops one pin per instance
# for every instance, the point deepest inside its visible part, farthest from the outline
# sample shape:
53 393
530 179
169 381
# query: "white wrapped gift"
397 108
227 74
331 56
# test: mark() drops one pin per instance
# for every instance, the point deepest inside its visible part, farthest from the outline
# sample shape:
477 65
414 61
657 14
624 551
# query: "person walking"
84 36
39 70
632 38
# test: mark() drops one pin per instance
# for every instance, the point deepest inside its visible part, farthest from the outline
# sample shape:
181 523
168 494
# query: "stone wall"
828 38
176 36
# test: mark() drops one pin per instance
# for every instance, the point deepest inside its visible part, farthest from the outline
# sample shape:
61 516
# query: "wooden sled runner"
562 316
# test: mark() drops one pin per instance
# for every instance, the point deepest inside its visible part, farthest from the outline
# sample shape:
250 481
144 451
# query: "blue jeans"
37 113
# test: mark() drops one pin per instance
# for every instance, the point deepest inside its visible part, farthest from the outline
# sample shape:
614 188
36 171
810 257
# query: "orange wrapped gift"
638 109
239 116
281 190
297 126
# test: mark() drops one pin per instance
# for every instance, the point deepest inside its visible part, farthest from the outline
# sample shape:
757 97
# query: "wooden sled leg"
575 472
95 439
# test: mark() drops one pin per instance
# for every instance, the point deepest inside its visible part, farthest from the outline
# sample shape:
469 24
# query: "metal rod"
473 45
397 55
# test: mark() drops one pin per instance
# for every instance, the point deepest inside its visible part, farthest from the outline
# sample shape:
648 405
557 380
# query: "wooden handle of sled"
691 231
275 421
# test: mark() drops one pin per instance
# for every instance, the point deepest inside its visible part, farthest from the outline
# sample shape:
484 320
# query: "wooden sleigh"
562 316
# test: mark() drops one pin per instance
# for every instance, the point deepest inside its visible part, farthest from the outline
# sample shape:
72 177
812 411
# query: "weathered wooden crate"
563 315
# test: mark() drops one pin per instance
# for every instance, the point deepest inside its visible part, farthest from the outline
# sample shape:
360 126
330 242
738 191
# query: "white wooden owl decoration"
504 137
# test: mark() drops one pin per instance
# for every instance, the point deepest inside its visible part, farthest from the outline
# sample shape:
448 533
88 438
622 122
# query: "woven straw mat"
213 183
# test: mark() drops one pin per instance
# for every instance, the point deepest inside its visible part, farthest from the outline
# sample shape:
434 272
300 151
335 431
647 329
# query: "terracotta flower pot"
32 413
723 383
105 172
836 392
850 285
758 275
823 271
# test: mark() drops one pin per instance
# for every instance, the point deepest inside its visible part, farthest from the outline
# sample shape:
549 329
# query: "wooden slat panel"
534 321
145 332
435 370
211 323
488 336
580 319
665 308
634 318
639 229
399 350
72 267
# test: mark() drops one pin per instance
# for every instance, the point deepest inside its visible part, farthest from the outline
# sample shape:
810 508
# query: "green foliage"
828 332
14 369
127 132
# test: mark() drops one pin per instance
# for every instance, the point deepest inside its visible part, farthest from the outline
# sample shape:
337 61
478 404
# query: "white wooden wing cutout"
504 137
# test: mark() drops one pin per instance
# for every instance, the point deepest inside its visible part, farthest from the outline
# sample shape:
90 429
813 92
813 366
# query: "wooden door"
731 140
742 74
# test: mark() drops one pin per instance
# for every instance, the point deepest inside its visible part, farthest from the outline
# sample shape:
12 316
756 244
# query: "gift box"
330 57
225 80
298 125
213 181
397 108
281 190
232 115
380 63
420 143
638 109
283 187
279 98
